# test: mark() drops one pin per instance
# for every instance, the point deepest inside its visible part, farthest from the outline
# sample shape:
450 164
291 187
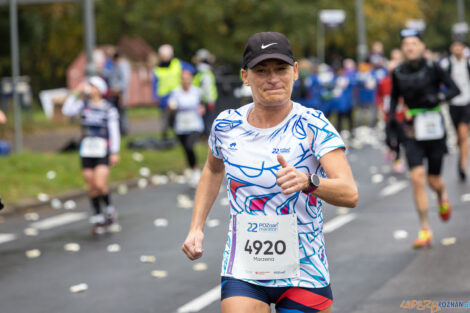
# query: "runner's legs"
100 179
462 133
88 175
244 305
418 180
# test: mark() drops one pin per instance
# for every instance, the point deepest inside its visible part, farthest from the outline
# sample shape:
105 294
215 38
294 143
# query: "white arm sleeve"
72 106
113 129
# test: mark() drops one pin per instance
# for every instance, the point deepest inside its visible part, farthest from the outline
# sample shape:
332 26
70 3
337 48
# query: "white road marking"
337 222
59 220
7 237
393 188
202 301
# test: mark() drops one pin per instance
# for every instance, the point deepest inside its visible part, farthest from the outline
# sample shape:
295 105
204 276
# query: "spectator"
205 80
119 82
167 77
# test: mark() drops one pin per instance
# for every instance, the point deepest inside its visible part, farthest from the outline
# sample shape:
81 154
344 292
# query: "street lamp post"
461 11
361 32
15 73
327 19
320 41
89 24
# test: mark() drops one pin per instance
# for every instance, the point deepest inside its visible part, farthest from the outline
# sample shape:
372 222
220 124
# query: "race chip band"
265 247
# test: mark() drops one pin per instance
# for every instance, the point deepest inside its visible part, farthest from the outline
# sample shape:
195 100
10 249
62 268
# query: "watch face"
315 180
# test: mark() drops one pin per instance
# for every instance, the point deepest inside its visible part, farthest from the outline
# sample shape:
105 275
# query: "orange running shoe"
424 239
445 209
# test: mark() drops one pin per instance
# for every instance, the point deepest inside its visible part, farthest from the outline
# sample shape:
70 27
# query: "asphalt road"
372 264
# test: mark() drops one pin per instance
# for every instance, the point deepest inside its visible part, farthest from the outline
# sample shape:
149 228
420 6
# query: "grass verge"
24 175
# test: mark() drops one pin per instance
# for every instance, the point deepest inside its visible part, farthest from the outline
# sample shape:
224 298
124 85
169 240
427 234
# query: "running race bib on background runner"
187 121
429 126
266 247
93 147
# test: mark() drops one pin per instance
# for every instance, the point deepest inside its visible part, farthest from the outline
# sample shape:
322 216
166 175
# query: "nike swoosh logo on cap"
264 47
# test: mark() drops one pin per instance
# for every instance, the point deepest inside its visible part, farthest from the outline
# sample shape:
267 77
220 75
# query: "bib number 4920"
257 245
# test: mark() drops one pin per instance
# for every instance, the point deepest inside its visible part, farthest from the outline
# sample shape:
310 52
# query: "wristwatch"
313 183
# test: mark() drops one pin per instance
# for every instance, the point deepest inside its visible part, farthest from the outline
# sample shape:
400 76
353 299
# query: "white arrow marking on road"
202 301
393 188
337 222
59 220
7 237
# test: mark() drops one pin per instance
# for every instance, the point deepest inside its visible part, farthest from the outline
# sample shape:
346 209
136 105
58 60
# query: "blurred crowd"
343 86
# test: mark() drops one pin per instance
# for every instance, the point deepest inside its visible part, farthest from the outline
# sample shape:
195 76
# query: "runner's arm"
114 134
206 193
72 105
394 97
451 88
339 188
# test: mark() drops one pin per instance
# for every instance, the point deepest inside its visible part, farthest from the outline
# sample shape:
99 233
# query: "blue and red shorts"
287 299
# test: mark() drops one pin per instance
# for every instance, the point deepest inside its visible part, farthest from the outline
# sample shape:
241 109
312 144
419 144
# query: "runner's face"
412 48
94 92
186 79
457 49
271 81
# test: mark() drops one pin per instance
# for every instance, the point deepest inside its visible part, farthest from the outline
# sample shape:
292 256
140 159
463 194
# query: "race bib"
264 247
429 126
93 147
187 121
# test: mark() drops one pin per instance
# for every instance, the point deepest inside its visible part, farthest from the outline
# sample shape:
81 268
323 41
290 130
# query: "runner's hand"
289 178
192 246
114 159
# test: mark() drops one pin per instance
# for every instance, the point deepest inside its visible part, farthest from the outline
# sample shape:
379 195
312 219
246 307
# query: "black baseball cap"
267 45
410 32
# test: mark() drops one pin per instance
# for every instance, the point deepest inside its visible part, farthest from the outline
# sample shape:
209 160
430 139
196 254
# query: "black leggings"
341 117
188 141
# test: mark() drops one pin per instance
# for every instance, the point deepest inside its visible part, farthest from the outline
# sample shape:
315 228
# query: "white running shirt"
250 158
462 80
187 104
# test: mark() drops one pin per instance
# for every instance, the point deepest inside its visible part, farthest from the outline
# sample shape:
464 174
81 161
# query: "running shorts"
432 150
459 114
287 299
94 162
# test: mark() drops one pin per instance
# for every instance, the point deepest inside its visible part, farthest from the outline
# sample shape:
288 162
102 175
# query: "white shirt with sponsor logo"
250 158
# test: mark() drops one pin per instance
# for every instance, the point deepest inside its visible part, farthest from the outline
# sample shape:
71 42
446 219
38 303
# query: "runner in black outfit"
418 81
